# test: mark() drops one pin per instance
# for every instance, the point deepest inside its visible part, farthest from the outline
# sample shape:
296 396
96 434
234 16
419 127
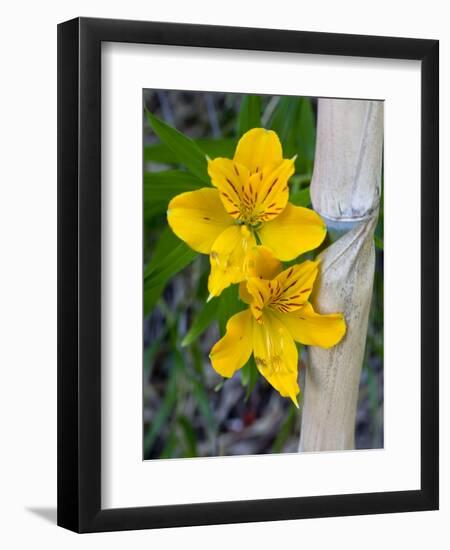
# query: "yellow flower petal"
313 329
261 292
296 284
227 258
288 291
276 355
231 179
198 218
244 294
256 198
258 148
295 231
232 351
253 186
261 263
272 190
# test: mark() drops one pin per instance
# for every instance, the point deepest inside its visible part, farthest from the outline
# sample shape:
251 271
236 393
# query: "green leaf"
229 304
250 114
200 394
160 153
186 151
306 137
284 431
222 147
206 315
151 296
283 122
301 198
293 120
167 241
197 360
152 209
250 376
171 445
162 186
301 180
379 242
175 260
169 257
189 436
151 351
204 405
169 401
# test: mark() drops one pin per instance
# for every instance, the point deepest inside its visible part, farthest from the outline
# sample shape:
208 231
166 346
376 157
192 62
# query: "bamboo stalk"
345 190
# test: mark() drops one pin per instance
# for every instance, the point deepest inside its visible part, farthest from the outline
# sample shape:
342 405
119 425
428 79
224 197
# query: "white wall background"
28 271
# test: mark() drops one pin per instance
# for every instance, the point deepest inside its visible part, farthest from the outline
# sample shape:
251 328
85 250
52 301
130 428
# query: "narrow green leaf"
301 179
160 153
204 405
200 394
284 431
189 436
162 186
197 359
186 151
372 388
171 445
229 304
169 401
151 351
307 127
283 122
204 318
167 241
170 256
250 114
251 377
379 242
293 120
151 296
153 208
306 138
301 198
245 374
222 147
176 260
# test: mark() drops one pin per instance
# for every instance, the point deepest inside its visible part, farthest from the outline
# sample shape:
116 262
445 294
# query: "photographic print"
263 274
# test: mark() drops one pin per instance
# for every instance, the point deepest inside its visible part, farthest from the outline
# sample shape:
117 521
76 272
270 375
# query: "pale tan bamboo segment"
345 190
346 182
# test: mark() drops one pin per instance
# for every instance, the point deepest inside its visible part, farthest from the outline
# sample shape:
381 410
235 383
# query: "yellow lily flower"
279 315
249 205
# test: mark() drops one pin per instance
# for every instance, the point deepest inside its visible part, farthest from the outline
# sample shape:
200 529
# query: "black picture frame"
79 274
